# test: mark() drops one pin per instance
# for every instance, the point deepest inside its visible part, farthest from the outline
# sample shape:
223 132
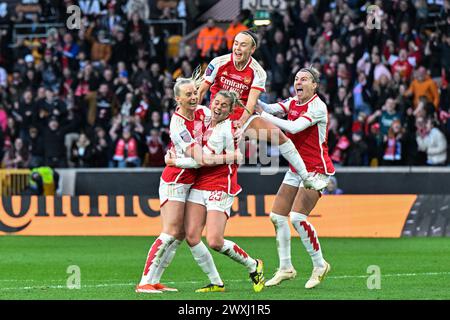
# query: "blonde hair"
196 79
232 96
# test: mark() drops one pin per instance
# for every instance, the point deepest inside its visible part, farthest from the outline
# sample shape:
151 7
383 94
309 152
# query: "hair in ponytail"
196 79
232 97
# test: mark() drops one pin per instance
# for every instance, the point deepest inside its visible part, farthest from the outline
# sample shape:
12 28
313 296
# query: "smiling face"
221 108
243 48
304 86
188 97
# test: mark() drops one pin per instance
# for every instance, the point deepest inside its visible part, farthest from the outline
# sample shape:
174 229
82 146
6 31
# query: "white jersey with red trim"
183 134
222 74
311 143
219 140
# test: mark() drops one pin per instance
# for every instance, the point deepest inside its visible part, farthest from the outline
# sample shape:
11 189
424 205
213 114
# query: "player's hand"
169 158
239 157
237 136
258 109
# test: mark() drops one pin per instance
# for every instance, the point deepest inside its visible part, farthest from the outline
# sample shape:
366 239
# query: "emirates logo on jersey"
228 84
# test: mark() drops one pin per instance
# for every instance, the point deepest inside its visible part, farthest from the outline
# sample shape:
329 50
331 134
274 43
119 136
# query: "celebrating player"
239 72
186 128
211 197
307 126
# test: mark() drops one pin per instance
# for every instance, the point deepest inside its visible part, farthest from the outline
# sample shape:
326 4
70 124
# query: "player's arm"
279 108
204 87
287 125
250 106
184 163
311 117
208 78
210 159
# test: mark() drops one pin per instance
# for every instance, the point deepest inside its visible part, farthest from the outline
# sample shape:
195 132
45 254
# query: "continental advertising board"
334 216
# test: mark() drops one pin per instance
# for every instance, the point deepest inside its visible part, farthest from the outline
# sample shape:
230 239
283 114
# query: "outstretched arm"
289 126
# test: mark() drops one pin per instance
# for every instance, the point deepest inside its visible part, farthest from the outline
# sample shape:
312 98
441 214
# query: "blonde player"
240 73
211 197
186 129
307 127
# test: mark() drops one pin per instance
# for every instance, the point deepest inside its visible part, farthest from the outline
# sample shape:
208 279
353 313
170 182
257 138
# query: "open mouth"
299 90
238 55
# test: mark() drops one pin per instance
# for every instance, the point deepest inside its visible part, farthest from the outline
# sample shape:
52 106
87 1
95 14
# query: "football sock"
165 261
156 252
205 260
309 238
283 234
290 153
233 251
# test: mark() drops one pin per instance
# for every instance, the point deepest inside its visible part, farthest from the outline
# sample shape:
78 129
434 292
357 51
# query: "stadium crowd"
102 95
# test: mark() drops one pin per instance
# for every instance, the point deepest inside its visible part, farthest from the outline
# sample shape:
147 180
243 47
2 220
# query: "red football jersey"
222 74
311 143
183 134
219 140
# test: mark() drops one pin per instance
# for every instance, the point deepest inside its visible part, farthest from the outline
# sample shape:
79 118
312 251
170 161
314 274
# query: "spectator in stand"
432 141
210 40
357 151
101 48
393 145
423 85
17 157
386 116
155 156
82 152
102 151
36 147
126 151
402 67
233 29
332 187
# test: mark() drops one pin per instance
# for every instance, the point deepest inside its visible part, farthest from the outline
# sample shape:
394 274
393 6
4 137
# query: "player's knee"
296 217
192 239
175 231
215 242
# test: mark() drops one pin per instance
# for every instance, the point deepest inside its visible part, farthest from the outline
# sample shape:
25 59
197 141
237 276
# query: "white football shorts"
293 179
173 192
212 200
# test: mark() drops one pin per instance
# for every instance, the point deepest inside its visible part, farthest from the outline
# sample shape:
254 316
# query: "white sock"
205 260
290 153
165 261
309 237
233 251
156 252
283 234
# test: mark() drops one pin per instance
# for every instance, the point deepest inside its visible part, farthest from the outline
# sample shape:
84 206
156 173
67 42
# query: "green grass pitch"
36 268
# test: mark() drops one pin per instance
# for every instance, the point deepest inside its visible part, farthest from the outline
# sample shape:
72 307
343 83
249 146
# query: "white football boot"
317 276
280 276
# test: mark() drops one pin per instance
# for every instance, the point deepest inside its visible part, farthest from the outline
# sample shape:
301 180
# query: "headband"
311 73
251 36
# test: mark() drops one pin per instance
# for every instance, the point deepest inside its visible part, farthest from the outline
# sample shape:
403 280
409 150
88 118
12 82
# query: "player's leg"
216 220
172 217
195 219
304 203
279 217
263 130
